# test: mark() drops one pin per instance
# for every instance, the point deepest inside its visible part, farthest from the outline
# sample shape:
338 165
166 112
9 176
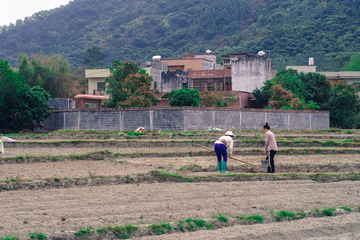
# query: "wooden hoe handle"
236 159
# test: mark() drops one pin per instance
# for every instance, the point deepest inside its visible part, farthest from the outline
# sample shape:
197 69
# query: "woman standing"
270 148
221 145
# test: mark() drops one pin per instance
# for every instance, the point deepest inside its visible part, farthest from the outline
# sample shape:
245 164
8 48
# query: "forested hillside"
328 30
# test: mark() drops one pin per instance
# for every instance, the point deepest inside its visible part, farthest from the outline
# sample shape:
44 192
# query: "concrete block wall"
180 119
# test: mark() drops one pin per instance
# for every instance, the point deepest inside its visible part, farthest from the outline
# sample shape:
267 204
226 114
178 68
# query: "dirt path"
99 206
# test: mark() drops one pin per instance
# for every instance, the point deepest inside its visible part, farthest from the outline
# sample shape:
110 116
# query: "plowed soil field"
70 189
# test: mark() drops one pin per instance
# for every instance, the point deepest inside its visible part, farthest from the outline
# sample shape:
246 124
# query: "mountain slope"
138 29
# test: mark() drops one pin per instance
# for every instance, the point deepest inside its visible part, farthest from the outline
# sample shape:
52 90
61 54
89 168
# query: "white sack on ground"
7 139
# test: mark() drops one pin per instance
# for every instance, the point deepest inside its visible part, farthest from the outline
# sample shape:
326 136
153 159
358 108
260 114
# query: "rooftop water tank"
311 61
156 58
261 53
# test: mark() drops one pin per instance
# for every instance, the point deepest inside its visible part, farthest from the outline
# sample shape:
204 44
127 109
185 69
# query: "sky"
12 10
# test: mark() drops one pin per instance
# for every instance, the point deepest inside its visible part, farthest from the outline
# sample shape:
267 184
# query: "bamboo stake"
236 159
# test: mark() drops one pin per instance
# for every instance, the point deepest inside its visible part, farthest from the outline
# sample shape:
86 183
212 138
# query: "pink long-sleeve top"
270 141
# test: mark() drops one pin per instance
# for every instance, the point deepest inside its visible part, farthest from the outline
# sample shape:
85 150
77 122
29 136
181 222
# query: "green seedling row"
216 220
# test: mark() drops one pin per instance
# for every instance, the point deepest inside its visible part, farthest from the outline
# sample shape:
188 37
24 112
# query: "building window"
185 85
154 86
100 86
210 87
357 85
202 87
91 105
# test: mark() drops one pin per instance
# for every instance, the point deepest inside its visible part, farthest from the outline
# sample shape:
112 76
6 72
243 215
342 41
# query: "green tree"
264 93
288 80
304 87
93 58
282 99
318 89
51 73
183 97
129 86
217 98
354 65
20 105
344 106
339 62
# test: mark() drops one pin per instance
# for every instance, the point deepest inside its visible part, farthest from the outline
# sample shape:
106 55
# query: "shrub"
38 235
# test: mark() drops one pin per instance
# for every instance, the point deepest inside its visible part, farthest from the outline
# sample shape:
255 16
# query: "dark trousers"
271 168
220 150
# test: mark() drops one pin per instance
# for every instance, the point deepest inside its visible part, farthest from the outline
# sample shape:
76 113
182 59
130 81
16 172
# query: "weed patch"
302 214
134 133
188 167
124 232
252 219
191 224
38 235
220 217
101 230
348 209
160 228
328 212
10 238
284 215
81 232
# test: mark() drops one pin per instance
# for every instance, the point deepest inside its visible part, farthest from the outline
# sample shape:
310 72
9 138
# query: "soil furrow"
116 205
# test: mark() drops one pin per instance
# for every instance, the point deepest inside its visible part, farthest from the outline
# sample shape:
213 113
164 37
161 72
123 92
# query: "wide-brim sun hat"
229 133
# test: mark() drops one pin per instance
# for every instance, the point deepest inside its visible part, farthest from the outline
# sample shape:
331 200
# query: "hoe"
236 159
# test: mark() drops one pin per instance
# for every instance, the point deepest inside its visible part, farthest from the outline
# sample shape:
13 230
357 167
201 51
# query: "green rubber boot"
223 169
220 166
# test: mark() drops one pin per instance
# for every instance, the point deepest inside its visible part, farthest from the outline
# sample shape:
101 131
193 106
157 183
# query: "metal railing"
96 92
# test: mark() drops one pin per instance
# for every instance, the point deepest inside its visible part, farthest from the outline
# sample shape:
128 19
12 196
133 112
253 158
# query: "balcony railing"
96 92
